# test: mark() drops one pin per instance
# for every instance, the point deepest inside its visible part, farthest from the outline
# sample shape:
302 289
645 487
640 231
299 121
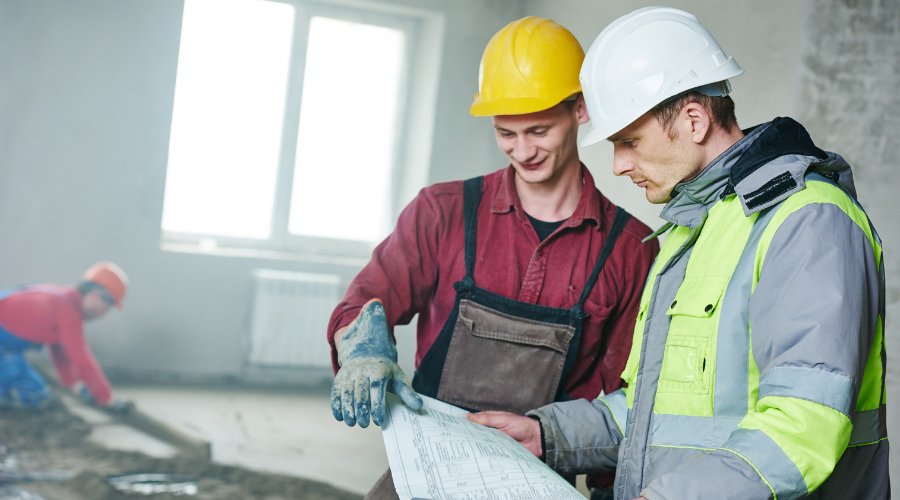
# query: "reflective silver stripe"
618 406
812 384
693 432
770 461
869 426
733 344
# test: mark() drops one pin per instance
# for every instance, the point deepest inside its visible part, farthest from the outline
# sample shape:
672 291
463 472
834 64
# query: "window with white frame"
289 125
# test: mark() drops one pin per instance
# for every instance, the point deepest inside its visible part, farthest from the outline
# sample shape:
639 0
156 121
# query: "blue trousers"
18 379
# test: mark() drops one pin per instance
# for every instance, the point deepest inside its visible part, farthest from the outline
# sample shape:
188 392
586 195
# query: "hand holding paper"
526 431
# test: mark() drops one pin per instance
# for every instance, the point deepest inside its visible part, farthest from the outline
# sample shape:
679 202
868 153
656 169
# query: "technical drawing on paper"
436 453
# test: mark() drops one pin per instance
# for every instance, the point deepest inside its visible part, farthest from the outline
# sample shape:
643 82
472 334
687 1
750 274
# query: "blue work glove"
115 405
85 395
119 405
368 359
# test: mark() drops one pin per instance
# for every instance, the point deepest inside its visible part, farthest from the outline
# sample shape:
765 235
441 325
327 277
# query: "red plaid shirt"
413 271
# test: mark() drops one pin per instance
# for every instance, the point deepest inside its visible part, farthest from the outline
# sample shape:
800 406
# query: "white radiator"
290 318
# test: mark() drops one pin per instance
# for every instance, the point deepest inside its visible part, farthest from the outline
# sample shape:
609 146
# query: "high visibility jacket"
757 366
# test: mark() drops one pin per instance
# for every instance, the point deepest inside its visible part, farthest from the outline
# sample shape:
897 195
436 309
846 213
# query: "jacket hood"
774 166
765 167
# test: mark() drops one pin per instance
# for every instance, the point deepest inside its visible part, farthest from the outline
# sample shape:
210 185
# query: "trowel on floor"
187 445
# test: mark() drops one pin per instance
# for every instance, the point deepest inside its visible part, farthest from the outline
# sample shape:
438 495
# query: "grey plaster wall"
848 98
86 93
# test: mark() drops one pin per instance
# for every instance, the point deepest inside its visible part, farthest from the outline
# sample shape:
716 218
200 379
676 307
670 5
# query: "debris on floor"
16 493
148 484
48 456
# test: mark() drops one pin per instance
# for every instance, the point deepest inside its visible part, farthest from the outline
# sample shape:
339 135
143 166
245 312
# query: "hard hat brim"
592 137
516 105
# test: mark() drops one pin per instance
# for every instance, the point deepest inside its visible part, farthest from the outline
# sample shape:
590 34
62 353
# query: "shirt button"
673 304
708 308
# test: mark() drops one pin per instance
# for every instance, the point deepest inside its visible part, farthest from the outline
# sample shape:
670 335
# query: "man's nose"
524 150
621 164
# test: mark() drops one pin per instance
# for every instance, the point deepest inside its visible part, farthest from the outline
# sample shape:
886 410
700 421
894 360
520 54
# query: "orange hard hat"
111 277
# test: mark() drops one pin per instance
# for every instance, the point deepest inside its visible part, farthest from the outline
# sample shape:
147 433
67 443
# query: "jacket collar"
588 208
691 200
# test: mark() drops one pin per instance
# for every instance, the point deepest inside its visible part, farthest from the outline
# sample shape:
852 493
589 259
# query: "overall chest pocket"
689 361
500 362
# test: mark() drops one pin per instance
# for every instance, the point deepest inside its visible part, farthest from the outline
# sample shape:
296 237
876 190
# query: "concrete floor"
106 432
284 431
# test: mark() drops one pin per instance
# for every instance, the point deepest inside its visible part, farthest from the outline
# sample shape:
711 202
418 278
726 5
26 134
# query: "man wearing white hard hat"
757 366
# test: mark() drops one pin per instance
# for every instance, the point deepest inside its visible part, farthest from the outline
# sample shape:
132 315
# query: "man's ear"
581 112
695 122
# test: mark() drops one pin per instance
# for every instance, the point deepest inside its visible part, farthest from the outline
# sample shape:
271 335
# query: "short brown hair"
571 101
720 110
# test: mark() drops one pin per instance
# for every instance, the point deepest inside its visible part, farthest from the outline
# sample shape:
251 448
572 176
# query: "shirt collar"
588 208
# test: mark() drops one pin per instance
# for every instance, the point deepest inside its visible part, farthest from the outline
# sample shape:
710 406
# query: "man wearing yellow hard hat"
527 281
33 315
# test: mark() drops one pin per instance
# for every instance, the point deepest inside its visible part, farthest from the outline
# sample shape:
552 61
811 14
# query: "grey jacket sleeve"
581 436
813 315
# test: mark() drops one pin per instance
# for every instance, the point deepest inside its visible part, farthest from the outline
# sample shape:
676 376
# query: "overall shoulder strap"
577 311
471 200
622 217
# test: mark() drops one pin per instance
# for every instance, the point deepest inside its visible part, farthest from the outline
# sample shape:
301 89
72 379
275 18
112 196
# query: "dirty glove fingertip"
407 394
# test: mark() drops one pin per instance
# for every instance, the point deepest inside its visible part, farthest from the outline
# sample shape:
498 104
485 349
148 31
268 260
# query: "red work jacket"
51 314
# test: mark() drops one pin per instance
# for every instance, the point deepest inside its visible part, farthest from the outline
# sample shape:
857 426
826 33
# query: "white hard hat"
644 58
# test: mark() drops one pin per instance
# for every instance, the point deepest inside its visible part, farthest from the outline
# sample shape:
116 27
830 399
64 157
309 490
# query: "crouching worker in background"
32 315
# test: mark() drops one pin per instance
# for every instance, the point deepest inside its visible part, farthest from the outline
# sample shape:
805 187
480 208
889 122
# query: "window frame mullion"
290 128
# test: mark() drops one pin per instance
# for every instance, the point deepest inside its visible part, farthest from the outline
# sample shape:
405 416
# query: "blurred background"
239 159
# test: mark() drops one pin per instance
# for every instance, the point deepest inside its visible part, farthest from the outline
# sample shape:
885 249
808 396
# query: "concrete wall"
848 98
85 109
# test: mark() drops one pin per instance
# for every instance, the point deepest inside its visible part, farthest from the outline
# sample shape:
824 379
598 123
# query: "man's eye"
507 134
539 133
630 144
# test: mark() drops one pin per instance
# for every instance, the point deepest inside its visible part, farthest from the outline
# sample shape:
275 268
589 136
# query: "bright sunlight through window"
346 141
227 122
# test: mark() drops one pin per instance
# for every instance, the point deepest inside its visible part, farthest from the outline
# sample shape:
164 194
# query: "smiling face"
542 145
645 153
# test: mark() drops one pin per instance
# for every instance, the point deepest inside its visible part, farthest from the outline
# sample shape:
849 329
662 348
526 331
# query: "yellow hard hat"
530 65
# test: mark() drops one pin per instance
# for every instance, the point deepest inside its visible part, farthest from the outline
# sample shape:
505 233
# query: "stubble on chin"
534 177
657 196
539 176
